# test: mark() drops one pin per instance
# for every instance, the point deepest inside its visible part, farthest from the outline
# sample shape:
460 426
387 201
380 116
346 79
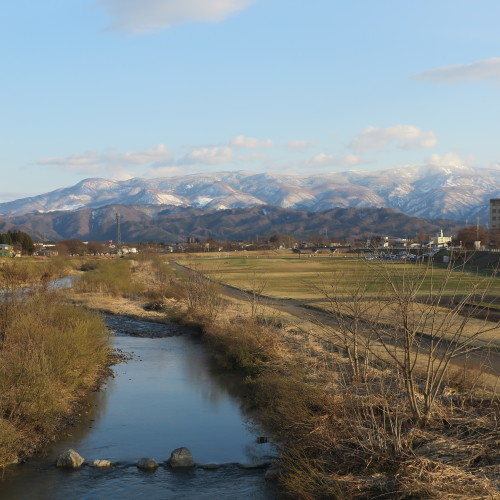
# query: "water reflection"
169 395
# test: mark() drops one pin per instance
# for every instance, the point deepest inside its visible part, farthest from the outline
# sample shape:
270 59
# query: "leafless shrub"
202 295
422 339
348 308
258 284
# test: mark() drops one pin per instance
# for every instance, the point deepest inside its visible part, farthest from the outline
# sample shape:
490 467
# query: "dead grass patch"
341 437
51 354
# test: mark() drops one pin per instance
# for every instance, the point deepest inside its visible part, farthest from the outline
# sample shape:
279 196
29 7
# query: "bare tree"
417 321
429 319
202 294
348 308
258 284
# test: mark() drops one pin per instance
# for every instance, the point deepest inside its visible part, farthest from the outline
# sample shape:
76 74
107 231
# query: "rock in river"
101 463
181 457
70 459
147 464
210 466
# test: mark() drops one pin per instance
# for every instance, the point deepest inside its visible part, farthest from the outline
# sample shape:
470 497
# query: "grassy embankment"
51 354
390 428
392 415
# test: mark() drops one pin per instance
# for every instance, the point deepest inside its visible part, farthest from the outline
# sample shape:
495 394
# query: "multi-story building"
495 214
494 235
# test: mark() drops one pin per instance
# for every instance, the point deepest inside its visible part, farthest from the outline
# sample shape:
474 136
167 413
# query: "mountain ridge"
176 224
457 192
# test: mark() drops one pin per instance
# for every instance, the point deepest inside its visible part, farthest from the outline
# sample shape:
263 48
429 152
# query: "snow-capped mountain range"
457 192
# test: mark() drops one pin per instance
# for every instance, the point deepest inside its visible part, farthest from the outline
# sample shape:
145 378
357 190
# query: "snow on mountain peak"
423 190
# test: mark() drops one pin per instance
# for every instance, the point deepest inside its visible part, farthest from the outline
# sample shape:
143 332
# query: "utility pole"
118 230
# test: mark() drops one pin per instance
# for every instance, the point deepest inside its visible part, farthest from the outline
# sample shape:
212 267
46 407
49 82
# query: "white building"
440 240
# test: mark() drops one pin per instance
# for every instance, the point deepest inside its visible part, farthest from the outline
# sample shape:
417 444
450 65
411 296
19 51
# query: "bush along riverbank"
51 355
350 422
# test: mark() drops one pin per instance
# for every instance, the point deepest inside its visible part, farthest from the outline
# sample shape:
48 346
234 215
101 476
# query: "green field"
289 276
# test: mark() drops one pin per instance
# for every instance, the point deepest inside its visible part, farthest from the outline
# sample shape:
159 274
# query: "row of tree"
19 240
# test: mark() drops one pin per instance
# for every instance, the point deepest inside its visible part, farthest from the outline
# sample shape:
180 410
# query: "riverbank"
167 394
51 356
340 437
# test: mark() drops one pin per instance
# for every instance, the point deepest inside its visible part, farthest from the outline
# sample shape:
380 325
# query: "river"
166 396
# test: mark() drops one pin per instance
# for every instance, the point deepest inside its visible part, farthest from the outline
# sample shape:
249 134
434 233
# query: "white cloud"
165 171
76 161
257 156
485 70
448 160
251 142
324 160
108 162
151 16
208 156
299 144
403 136
157 154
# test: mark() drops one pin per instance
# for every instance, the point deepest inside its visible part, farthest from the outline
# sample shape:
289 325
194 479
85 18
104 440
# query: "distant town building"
125 250
494 235
495 214
6 250
391 242
46 249
440 240
48 252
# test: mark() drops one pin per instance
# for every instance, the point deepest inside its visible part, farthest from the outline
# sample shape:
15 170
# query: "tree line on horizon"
19 240
23 242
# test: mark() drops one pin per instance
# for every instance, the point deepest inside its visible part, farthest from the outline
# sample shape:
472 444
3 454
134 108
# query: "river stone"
101 463
181 457
147 464
70 459
210 466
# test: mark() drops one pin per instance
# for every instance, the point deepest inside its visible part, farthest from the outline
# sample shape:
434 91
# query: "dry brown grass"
341 438
51 354
386 312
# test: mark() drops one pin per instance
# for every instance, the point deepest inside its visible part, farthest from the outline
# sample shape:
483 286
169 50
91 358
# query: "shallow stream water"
167 396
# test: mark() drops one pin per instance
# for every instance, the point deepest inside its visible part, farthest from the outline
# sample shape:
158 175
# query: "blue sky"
123 88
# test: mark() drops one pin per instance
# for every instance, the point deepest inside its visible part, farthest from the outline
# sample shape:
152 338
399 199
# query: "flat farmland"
291 277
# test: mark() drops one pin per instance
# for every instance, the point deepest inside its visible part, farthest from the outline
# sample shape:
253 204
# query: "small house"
6 250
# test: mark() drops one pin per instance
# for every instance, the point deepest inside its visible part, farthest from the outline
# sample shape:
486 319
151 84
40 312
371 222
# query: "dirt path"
487 360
